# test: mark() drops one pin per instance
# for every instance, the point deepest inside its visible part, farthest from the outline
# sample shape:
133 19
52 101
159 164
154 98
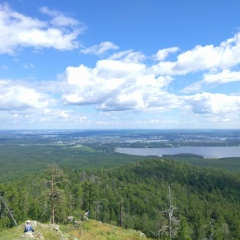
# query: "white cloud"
59 115
42 117
14 96
226 76
194 87
122 82
100 49
208 103
18 30
163 53
216 78
59 19
115 85
202 58
128 56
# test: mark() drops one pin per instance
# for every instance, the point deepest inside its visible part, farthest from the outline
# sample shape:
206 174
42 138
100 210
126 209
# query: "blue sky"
119 64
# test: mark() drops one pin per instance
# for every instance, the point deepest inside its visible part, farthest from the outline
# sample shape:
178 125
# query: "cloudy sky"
119 64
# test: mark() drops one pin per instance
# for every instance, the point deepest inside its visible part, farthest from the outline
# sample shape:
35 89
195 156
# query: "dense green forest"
18 160
158 196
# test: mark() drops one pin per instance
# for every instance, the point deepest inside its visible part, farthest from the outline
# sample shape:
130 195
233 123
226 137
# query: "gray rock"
32 235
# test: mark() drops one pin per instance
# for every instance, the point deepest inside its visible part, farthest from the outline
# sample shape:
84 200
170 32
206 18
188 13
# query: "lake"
206 152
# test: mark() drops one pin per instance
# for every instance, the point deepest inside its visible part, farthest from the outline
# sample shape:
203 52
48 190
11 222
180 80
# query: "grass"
99 231
90 230
45 230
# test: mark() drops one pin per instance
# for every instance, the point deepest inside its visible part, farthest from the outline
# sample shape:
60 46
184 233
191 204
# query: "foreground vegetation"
90 230
203 203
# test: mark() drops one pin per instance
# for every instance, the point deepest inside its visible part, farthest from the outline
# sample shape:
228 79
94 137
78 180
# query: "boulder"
32 235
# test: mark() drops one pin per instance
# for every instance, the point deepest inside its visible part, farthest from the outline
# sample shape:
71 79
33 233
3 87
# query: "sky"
101 64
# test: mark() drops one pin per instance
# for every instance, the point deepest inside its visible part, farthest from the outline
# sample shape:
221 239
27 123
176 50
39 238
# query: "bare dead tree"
167 225
121 213
169 212
160 231
97 208
212 232
6 206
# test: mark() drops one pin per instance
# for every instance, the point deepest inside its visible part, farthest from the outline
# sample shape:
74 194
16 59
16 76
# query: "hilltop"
90 230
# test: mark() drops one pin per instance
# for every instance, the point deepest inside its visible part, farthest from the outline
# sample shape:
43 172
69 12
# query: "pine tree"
184 231
55 177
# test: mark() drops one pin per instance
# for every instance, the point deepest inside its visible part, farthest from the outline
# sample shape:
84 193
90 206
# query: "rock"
40 228
32 235
54 227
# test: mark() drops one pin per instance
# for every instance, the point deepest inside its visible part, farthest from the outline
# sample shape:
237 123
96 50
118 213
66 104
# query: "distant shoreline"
206 152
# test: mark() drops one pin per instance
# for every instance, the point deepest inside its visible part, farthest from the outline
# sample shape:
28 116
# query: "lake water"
206 152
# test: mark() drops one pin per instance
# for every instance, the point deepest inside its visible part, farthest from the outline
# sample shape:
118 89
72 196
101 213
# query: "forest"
19 160
164 198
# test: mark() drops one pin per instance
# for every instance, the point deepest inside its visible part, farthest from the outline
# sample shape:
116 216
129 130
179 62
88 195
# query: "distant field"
85 148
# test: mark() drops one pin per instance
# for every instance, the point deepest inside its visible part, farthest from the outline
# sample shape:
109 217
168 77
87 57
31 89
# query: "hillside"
201 201
90 230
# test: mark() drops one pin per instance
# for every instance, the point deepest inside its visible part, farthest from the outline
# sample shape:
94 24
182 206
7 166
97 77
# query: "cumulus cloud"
216 78
225 76
125 81
24 106
18 30
115 85
14 96
208 103
100 49
202 58
118 85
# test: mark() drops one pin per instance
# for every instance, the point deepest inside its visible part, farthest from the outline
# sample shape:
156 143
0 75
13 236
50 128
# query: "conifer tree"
55 177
